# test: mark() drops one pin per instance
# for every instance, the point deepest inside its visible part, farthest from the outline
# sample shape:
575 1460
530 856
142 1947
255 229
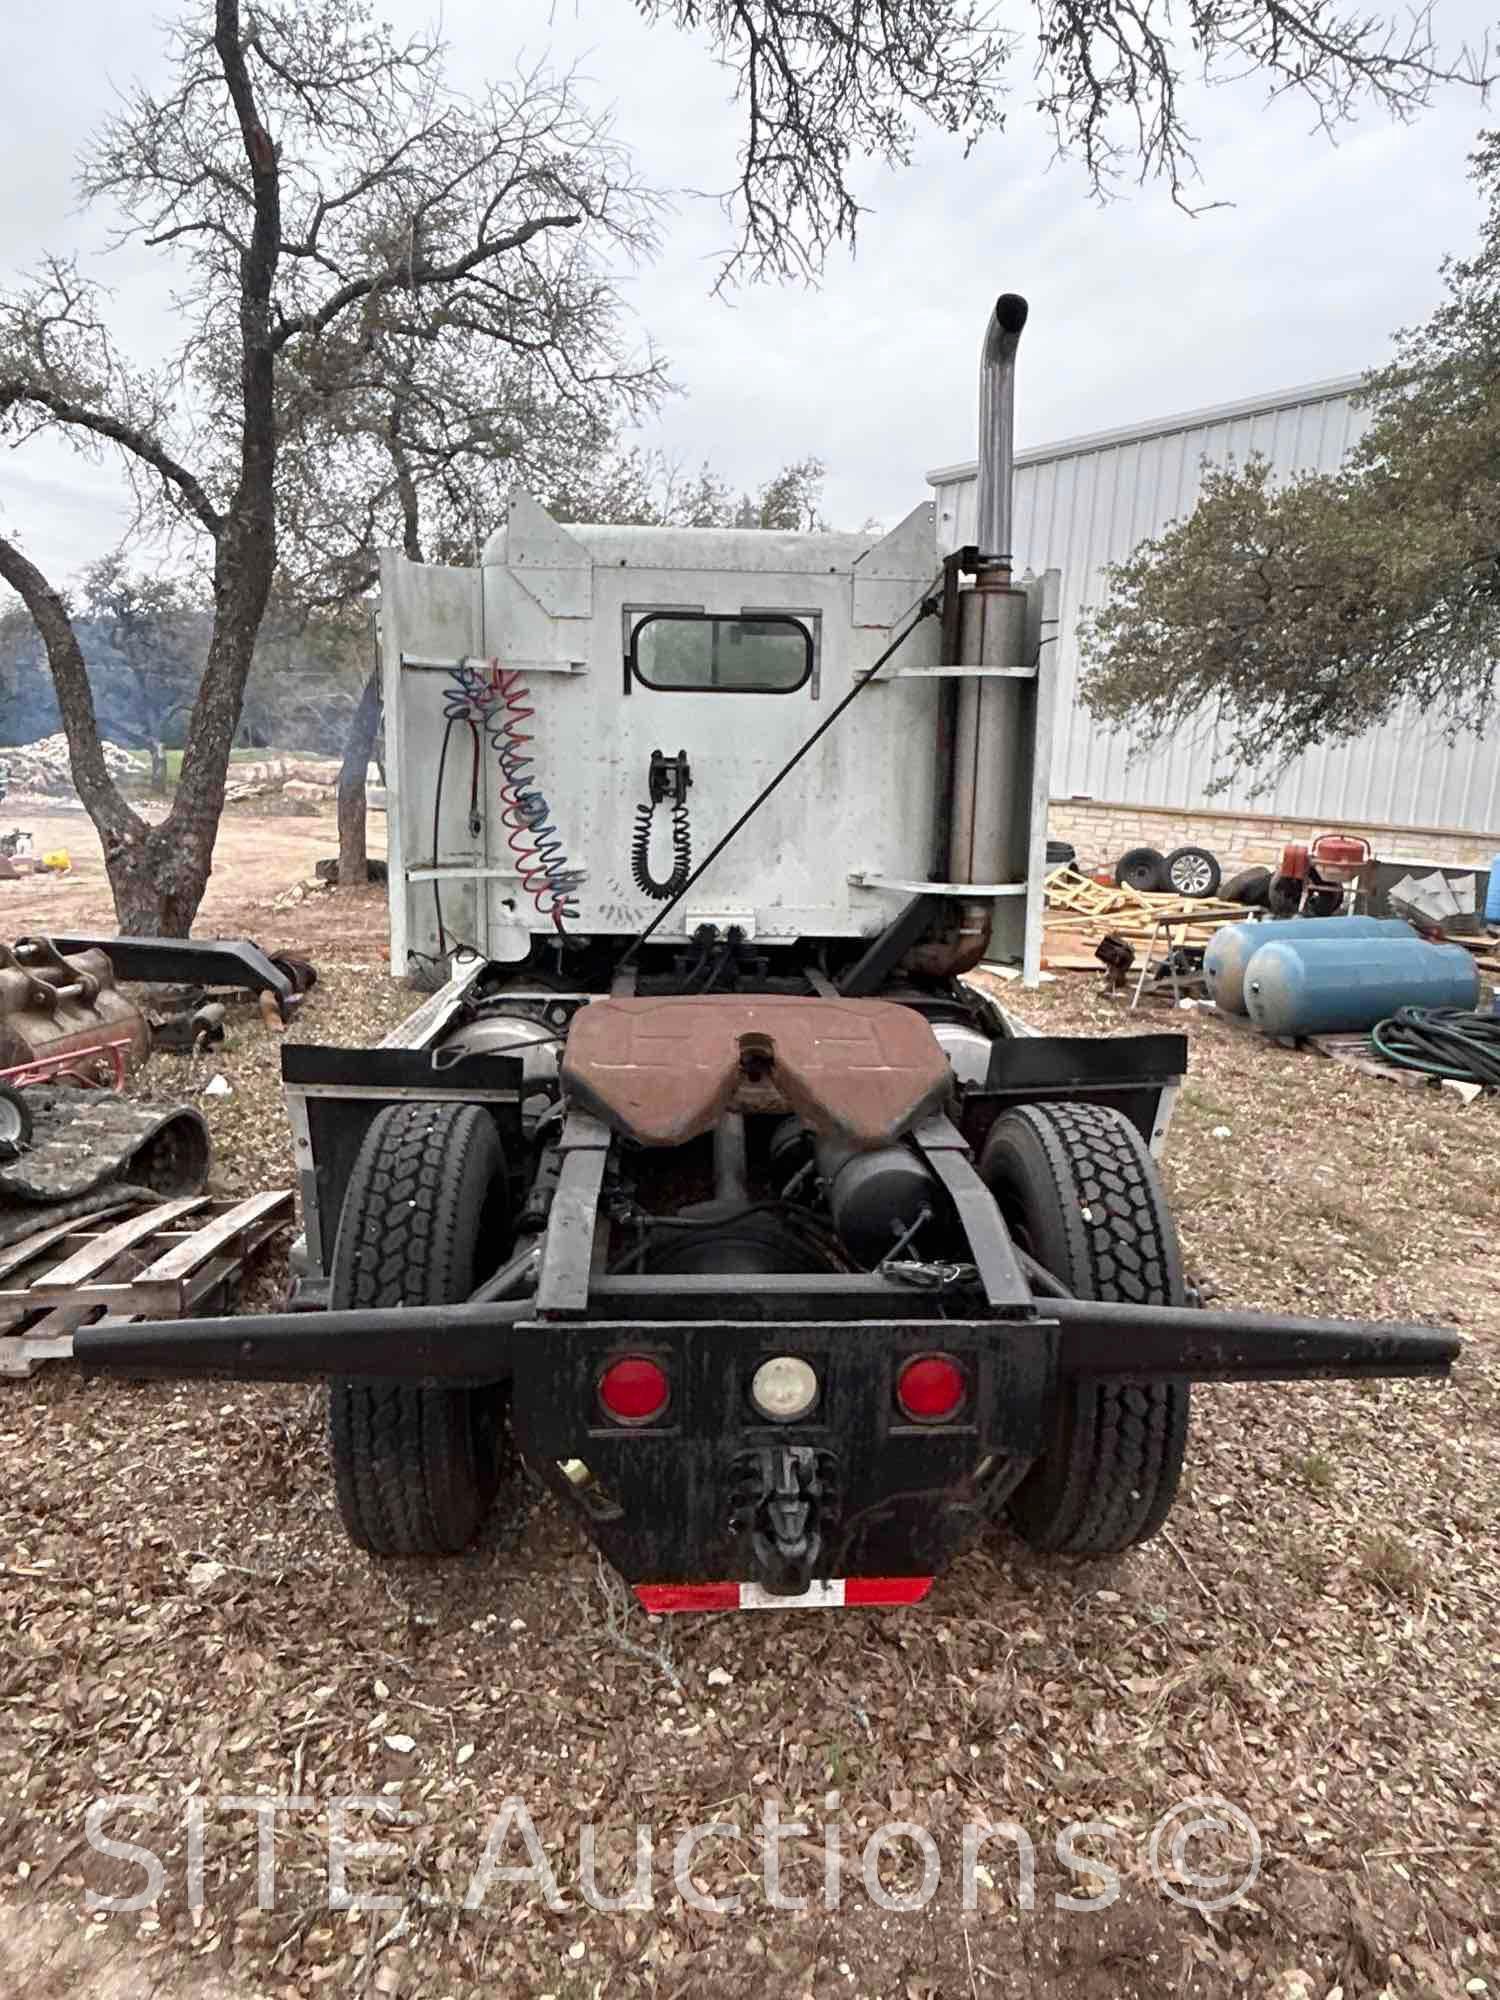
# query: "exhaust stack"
997 427
991 796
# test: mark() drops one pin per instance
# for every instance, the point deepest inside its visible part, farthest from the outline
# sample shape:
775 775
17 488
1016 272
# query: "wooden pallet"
1068 890
1355 1052
161 1263
1352 1050
1079 906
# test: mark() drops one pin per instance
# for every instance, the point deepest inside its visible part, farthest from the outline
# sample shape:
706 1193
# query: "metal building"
1088 501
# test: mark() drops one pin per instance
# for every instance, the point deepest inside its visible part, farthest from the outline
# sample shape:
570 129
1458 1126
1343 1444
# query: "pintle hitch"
782 1495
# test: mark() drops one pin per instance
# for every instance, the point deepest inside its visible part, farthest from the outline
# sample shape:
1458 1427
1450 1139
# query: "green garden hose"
1442 1041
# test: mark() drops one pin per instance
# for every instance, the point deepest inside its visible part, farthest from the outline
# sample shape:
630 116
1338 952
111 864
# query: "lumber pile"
1080 912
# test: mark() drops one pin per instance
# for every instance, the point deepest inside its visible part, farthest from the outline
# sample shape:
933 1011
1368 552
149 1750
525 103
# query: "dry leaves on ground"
1314 1640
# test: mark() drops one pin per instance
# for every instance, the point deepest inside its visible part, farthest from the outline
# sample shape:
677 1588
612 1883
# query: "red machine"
1315 880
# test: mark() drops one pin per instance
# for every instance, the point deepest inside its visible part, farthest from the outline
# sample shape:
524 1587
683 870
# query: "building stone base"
1102 831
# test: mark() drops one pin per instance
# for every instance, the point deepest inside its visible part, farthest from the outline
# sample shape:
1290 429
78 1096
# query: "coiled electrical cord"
1443 1042
682 851
496 702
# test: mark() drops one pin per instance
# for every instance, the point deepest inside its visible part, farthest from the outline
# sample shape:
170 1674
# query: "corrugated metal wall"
1088 502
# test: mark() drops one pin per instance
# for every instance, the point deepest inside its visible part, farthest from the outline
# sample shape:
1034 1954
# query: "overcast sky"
1136 309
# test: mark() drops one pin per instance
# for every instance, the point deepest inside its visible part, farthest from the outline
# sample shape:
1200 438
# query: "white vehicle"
706 1188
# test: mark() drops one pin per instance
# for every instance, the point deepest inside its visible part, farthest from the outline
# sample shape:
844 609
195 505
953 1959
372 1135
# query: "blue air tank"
1338 986
1235 945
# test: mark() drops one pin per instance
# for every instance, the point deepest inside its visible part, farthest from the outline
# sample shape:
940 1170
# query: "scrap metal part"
63 1016
193 961
83 1138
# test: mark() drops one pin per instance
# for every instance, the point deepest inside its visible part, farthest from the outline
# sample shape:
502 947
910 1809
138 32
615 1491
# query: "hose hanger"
667 779
494 703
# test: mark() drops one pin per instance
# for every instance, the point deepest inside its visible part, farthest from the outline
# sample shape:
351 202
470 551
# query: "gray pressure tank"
1342 985
1233 948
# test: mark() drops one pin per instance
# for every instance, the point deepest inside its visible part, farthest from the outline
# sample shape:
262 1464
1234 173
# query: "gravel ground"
1313 1640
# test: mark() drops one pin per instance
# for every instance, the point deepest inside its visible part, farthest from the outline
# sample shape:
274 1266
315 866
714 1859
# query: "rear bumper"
709 1490
484 1343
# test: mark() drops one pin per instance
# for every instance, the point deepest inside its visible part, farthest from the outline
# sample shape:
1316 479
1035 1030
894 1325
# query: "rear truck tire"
415 1469
1193 871
1249 887
1080 1191
1141 868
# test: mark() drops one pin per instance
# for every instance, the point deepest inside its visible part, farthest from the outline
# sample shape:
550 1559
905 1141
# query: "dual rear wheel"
416 1469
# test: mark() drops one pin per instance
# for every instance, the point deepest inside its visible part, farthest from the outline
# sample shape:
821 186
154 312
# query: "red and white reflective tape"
823 1594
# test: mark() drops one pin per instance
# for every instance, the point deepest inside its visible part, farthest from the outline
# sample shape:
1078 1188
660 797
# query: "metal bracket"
423 664
958 674
901 885
462 871
946 1152
568 1254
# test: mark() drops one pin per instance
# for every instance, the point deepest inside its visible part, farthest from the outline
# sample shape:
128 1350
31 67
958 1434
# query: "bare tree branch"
821 88
18 390
417 276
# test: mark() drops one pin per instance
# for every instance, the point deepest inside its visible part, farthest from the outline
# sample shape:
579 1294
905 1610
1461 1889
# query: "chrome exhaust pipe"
997 428
987 826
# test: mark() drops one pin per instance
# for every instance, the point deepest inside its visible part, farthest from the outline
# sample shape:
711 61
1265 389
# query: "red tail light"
931 1388
634 1389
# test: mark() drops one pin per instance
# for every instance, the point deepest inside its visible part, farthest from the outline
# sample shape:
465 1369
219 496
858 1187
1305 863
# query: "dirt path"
257 858
57 1954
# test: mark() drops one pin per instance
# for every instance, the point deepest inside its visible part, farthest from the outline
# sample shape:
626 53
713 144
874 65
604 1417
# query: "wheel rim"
12 1129
1190 876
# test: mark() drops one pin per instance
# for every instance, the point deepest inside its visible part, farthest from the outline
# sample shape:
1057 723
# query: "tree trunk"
158 883
358 747
182 846
158 767
158 874
132 856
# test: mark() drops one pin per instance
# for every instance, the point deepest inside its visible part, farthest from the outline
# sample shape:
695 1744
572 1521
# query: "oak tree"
303 170
1279 616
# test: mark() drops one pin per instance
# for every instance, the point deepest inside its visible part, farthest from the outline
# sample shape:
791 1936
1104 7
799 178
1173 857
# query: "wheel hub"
1190 877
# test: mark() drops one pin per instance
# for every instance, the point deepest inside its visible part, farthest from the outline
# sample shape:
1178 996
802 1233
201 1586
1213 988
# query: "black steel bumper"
704 1490
490 1343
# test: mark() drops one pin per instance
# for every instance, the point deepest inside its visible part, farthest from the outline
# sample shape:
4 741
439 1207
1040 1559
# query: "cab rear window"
692 651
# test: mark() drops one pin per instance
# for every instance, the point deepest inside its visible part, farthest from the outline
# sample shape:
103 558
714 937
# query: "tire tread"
405 1471
1112 1474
